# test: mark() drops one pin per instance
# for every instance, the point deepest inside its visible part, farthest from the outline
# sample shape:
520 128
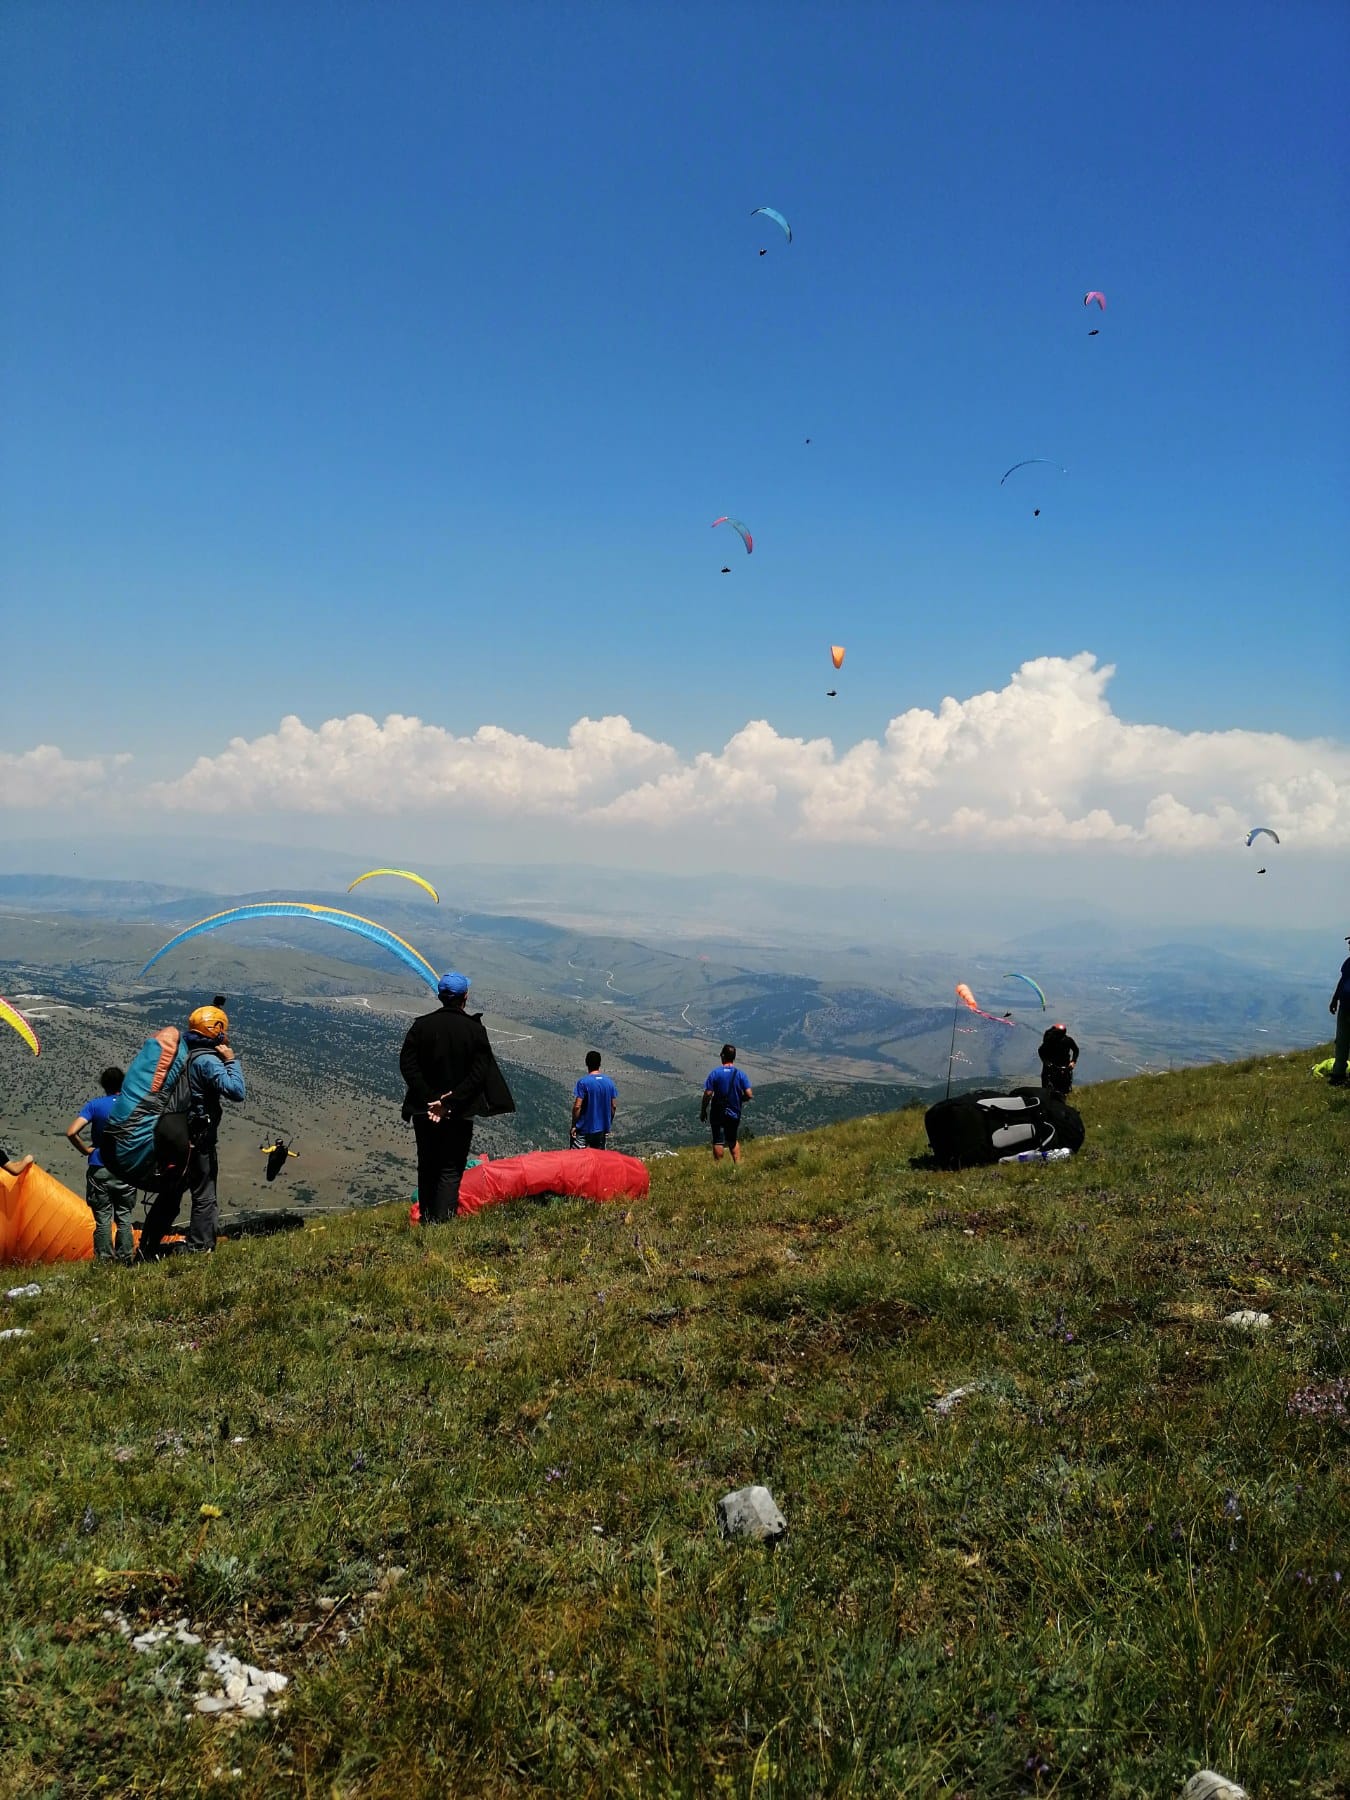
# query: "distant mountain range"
825 1034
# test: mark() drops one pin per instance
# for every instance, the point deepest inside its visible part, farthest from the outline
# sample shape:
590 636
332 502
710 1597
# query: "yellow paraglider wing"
837 655
406 874
12 1016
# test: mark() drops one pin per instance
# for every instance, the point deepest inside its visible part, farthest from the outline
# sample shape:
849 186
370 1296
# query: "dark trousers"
1058 1077
442 1152
111 1201
199 1178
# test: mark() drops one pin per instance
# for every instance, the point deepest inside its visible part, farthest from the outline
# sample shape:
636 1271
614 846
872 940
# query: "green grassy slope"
1119 1559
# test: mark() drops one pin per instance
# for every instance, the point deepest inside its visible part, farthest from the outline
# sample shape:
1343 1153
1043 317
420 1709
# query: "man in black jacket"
1059 1059
451 1076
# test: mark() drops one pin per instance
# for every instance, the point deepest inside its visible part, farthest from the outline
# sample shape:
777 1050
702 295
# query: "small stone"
1207 1785
186 1637
751 1512
211 1703
16 1331
949 1402
253 1706
1245 1320
28 1292
275 1682
235 1687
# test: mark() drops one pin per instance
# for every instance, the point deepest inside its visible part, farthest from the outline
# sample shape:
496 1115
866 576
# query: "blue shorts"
725 1130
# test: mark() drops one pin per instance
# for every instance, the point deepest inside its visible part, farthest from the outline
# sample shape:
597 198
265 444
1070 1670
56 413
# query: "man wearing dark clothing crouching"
451 1077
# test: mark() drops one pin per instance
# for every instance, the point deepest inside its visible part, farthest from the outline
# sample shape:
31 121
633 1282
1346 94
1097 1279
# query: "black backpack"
982 1127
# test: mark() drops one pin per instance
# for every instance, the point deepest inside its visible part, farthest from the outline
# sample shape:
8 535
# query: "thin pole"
951 1055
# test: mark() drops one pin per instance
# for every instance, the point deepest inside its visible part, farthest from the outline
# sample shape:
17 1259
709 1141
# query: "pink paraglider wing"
1098 297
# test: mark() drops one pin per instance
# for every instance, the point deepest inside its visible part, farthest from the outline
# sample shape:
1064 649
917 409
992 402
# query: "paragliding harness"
983 1127
1057 1077
159 1118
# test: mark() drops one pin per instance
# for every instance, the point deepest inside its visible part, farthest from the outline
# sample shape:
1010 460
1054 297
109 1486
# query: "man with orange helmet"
214 1076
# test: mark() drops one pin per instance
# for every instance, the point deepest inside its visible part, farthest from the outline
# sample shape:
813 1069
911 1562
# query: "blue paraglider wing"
1026 463
300 909
772 212
1013 975
1261 831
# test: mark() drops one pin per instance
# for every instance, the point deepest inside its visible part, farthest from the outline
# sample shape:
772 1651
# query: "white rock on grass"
244 1688
751 1512
1207 1785
949 1402
16 1331
1247 1320
28 1292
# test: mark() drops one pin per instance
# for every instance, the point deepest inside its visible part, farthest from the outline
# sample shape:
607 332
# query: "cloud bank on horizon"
1041 762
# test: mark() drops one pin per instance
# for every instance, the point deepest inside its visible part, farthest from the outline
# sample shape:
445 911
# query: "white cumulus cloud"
44 776
1043 760
356 764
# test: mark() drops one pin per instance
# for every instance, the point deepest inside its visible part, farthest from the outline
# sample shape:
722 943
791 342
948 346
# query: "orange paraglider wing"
837 655
41 1221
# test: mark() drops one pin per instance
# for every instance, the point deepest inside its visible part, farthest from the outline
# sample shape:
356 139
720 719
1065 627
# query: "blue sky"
395 358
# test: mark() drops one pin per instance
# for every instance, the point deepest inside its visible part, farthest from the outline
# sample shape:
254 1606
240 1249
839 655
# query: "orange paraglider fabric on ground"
588 1174
41 1221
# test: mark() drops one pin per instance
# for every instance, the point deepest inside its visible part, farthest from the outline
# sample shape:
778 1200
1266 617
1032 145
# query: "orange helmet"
209 1022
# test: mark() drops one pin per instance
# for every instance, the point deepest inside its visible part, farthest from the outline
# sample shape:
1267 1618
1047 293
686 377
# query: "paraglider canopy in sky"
772 212
12 1016
303 909
1027 462
1099 298
837 655
403 874
1013 975
736 525
1261 831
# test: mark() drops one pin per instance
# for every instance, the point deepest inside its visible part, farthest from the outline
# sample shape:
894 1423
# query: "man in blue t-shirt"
595 1100
110 1200
725 1092
1340 1006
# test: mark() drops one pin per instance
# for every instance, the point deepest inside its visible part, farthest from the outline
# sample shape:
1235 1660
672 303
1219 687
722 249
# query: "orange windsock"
837 655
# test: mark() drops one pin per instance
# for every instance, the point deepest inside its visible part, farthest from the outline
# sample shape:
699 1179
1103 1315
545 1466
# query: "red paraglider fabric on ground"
587 1174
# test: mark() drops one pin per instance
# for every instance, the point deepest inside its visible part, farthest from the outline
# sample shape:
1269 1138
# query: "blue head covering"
453 983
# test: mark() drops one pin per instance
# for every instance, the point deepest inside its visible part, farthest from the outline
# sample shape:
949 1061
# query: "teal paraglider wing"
1013 975
300 909
772 212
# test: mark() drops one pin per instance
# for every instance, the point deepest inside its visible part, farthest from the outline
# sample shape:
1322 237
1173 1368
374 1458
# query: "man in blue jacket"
724 1094
214 1076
